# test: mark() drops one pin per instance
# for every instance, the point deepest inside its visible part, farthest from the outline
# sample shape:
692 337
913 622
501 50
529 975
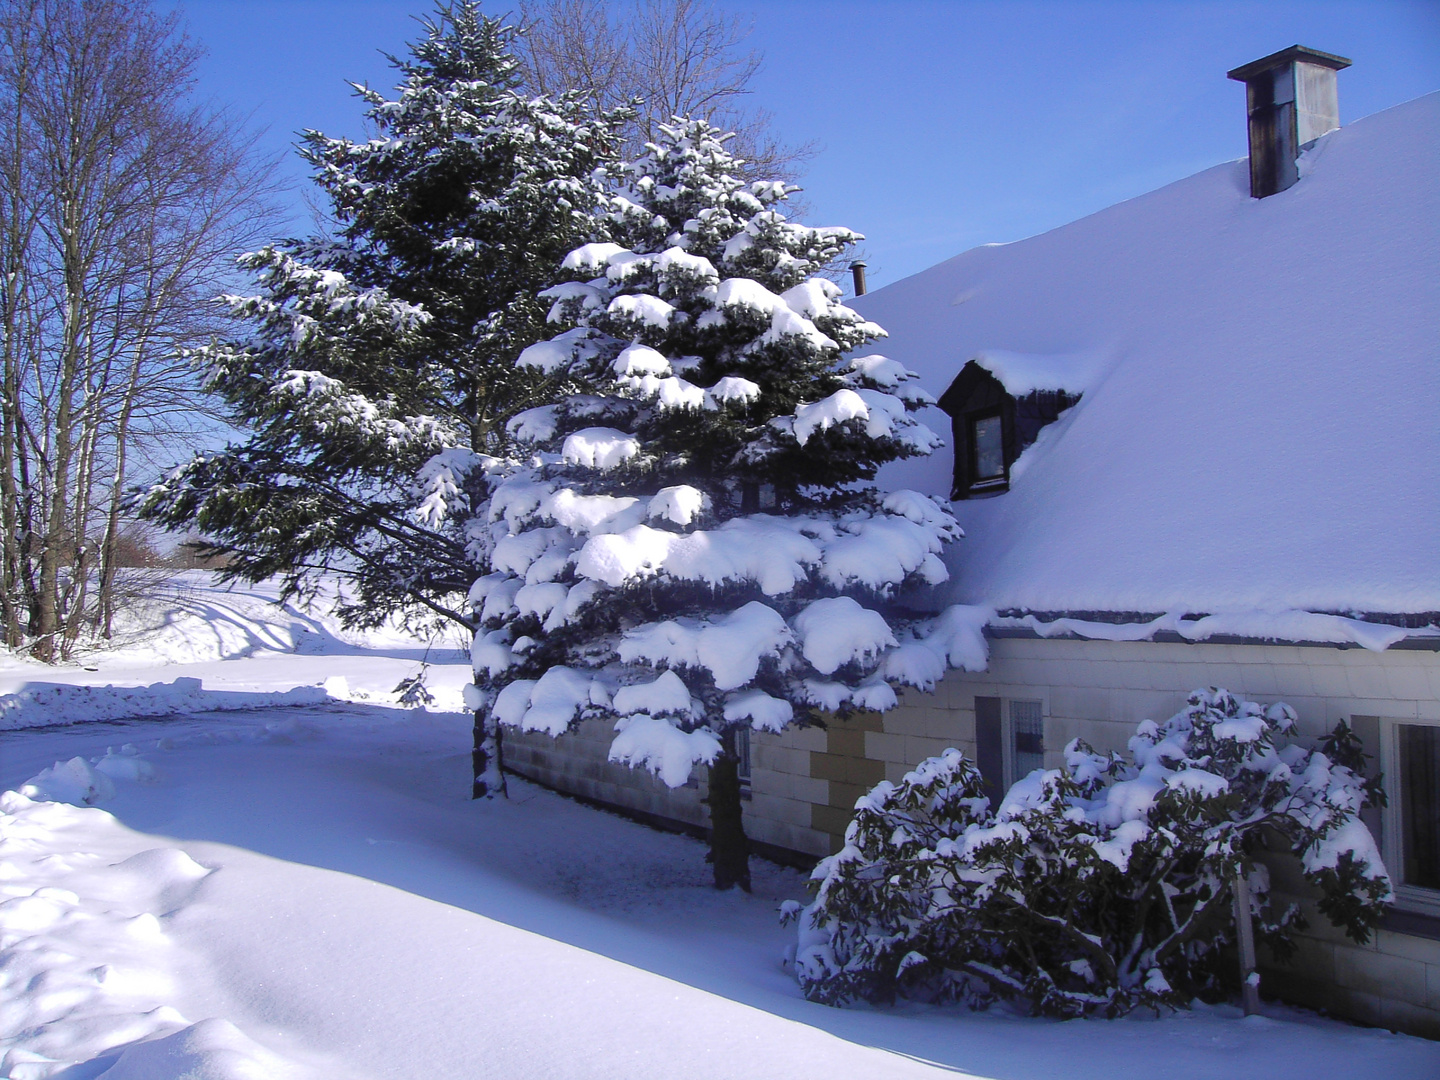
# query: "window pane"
1420 804
742 752
989 448
1027 732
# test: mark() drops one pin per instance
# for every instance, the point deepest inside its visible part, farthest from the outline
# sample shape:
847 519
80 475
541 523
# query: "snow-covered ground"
306 891
198 645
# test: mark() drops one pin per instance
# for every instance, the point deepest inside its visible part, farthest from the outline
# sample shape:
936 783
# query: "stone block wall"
579 763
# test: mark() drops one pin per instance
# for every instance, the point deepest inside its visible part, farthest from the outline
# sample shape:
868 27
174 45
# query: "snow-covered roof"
1260 425
1024 373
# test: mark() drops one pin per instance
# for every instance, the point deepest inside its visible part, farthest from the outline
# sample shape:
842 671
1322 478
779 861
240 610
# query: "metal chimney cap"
1294 53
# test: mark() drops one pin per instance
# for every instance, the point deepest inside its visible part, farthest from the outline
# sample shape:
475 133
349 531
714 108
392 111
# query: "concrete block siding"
579 763
783 791
805 782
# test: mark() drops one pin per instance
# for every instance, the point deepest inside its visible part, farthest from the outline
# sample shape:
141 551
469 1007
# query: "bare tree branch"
678 57
121 205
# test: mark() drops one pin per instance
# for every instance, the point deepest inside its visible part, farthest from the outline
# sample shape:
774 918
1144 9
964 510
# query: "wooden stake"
1249 977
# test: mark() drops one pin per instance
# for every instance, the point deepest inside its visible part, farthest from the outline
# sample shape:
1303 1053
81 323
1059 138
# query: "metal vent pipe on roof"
857 270
1290 101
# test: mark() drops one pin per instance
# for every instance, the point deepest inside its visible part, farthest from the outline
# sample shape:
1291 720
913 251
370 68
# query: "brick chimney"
1291 100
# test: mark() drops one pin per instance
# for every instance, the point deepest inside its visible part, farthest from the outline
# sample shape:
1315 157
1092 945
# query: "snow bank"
73 781
40 705
83 937
210 1050
290 938
128 957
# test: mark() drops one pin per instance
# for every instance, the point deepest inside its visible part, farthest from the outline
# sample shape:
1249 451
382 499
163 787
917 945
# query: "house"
1196 442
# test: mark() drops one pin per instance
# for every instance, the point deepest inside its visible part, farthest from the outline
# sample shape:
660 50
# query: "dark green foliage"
1098 887
374 371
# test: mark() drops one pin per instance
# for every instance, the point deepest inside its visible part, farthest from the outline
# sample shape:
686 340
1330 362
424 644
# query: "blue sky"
941 125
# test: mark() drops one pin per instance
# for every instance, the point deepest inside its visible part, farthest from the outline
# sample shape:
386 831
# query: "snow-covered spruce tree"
694 548
374 371
1098 887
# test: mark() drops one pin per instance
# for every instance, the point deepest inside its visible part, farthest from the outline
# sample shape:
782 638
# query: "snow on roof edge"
1025 373
1282 627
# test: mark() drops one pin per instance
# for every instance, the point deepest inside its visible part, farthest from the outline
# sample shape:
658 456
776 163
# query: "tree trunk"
121 207
105 599
729 847
486 759
10 576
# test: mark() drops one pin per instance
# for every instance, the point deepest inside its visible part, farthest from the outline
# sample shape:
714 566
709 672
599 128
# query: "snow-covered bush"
1100 886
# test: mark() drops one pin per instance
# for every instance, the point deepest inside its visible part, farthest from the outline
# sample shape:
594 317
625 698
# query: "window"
1410 752
987 450
1024 740
1009 741
992 427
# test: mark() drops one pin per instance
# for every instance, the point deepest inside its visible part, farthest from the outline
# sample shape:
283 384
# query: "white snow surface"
641 360
730 647
556 353
836 630
680 504
1257 431
734 388
1273 625
765 713
774 552
177 653
820 415
666 694
308 893
599 448
651 742
1023 373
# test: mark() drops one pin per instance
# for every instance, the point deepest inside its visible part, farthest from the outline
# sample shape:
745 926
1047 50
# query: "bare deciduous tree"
679 57
122 202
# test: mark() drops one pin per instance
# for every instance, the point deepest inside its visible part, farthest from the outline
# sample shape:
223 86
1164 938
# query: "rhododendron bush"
1099 886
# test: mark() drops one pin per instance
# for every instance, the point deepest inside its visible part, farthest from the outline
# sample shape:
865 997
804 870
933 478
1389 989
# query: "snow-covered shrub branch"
1100 886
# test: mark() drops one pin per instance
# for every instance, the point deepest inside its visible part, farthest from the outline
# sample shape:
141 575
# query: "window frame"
977 483
1416 898
1008 765
995 738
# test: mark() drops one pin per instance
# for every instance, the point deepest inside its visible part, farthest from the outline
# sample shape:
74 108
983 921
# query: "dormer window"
997 406
987 451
